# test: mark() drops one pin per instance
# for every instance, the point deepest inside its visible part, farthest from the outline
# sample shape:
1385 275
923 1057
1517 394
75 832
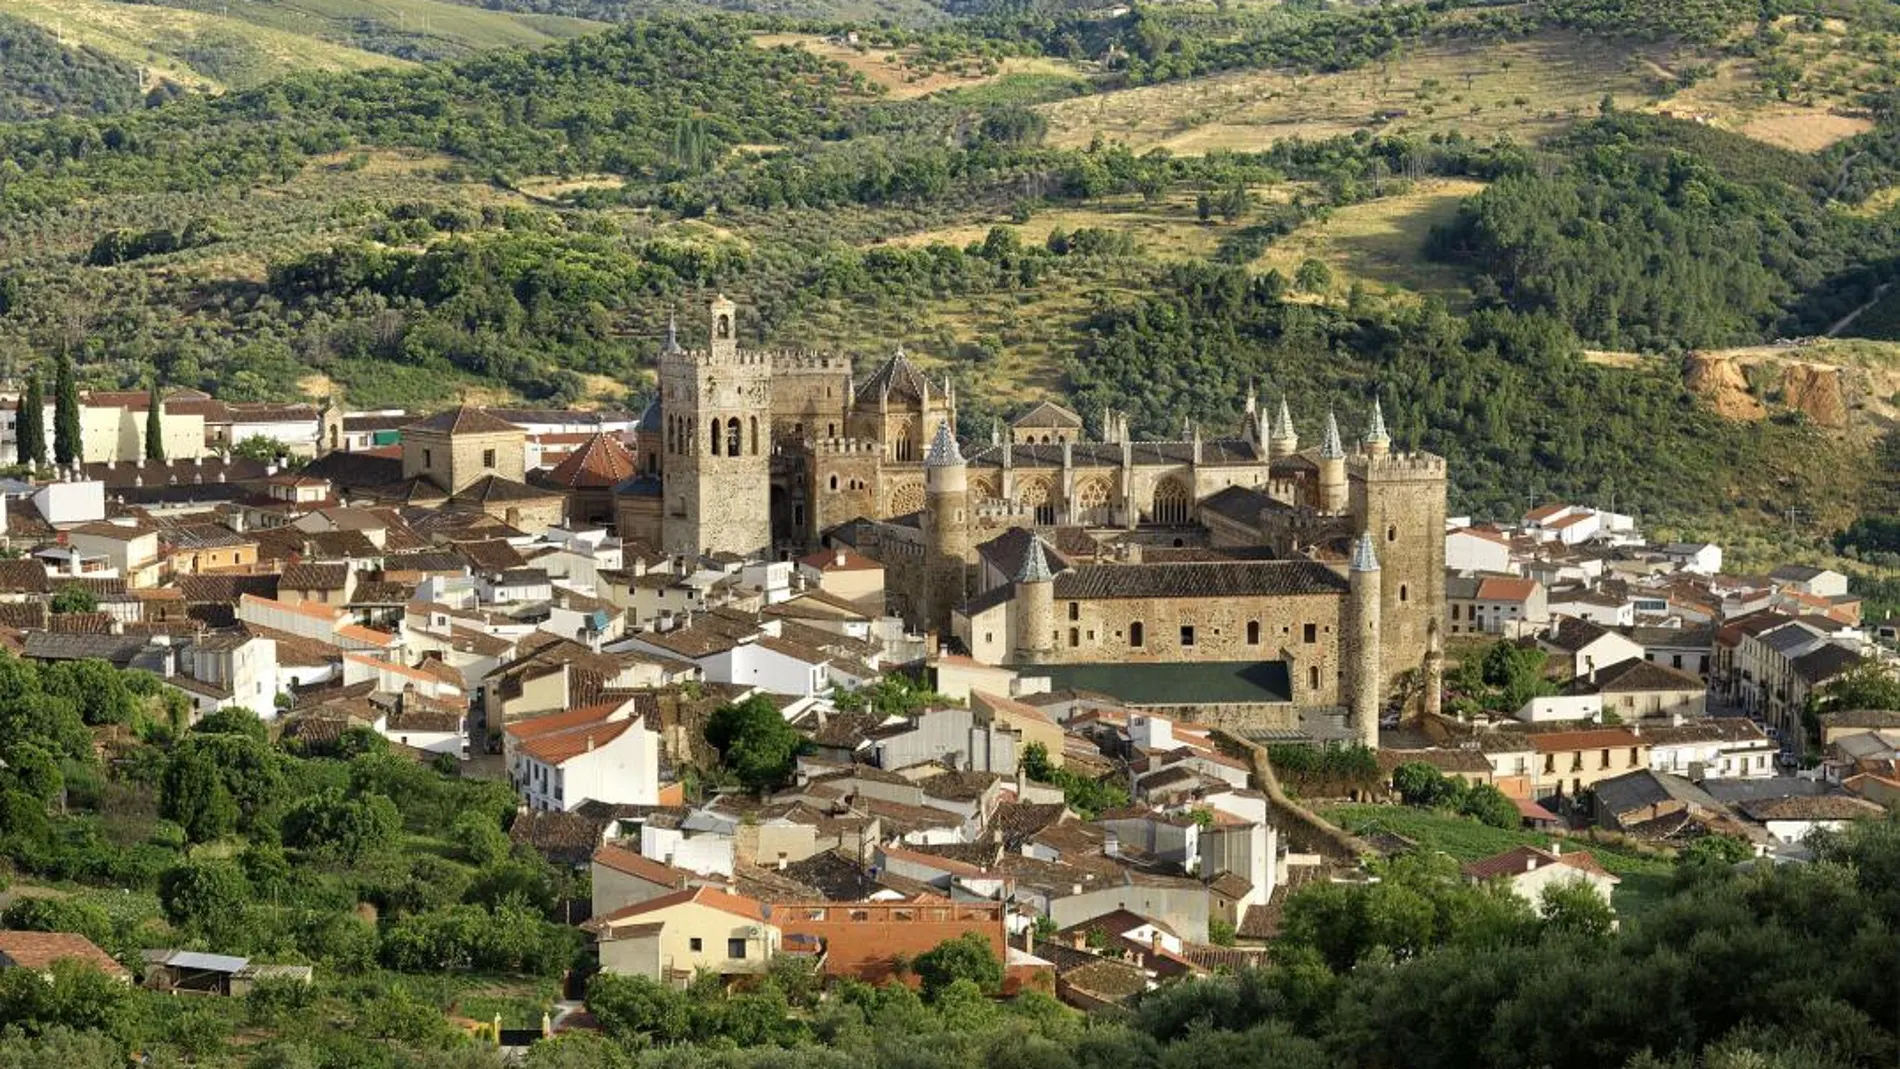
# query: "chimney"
1112 845
1154 943
839 558
1530 862
590 742
1029 938
1079 940
1556 848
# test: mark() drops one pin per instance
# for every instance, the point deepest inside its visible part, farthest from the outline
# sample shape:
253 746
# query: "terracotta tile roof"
304 576
1813 807
496 488
1565 741
1498 588
1522 859
738 905
462 420
1638 675
23 576
558 747
600 463
840 560
620 859
569 838
39 950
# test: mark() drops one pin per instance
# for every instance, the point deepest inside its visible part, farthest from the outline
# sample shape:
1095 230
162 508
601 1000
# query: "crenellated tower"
1398 499
717 407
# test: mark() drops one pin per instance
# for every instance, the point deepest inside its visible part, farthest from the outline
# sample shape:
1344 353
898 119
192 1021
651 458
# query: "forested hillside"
40 77
520 222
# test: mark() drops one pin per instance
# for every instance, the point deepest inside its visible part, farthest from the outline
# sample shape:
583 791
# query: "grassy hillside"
40 77
1524 88
214 45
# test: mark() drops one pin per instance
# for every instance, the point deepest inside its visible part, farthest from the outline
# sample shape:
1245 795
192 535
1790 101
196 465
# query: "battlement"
847 447
1401 466
807 361
705 357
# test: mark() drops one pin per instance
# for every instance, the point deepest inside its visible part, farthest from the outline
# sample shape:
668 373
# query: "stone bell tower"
717 407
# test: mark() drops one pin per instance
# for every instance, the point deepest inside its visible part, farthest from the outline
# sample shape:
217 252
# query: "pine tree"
155 428
65 412
31 431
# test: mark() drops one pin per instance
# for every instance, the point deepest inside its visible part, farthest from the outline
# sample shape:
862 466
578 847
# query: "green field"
1644 879
215 44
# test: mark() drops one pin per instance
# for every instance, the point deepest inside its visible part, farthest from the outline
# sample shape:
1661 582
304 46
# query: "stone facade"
862 454
453 449
717 443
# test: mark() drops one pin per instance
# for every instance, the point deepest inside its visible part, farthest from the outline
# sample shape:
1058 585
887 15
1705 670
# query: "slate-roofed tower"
946 529
1285 441
1333 491
717 405
1359 654
1035 605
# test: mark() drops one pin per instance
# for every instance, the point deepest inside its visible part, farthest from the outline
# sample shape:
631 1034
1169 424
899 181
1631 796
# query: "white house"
516 585
699 848
1553 708
394 677
606 752
1728 747
1792 820
1594 606
130 550
66 504
227 670
1820 582
1588 646
1528 871
1470 549
1702 558
965 739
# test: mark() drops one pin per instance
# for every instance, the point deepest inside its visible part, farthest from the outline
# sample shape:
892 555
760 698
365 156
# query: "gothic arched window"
1171 503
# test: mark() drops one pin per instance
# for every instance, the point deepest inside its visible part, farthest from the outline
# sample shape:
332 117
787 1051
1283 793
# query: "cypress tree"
30 432
154 428
65 412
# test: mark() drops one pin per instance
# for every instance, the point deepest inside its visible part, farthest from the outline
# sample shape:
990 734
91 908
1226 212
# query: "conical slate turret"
1376 432
1363 558
944 452
1329 446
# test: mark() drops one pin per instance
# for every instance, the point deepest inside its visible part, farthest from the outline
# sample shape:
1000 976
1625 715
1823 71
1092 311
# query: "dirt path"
1848 319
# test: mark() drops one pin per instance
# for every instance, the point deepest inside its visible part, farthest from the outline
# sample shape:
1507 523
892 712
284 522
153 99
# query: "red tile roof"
705 896
1564 741
599 463
1524 859
1497 588
38 950
561 746
620 859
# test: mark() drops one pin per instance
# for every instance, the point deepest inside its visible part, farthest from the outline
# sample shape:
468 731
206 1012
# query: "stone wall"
1099 630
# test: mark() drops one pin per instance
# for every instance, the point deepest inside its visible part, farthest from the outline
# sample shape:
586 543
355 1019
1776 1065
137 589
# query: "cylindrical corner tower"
1365 673
946 529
